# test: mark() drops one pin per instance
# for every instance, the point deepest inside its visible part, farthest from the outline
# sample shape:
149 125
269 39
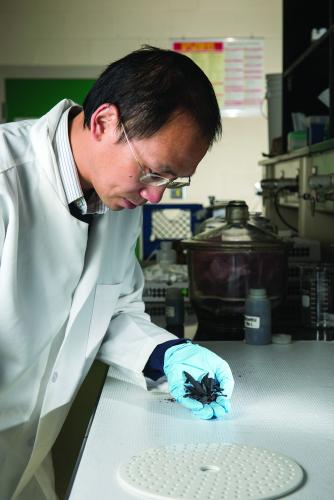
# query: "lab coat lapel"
42 136
92 268
72 353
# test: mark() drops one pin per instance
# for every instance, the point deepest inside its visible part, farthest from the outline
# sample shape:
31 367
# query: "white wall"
82 32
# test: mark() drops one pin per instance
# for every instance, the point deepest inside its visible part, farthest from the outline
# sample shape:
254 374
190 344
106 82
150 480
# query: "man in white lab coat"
71 187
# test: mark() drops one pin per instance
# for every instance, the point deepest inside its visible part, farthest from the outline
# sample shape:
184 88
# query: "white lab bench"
283 401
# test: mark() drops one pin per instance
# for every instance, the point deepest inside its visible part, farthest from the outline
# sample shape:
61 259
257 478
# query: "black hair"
149 87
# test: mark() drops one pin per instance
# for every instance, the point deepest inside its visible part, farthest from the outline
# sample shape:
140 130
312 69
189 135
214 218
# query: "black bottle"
257 317
174 311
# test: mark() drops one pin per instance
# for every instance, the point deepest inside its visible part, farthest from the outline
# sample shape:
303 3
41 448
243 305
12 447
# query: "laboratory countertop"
283 401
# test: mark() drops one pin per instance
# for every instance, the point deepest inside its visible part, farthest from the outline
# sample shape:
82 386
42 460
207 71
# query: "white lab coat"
65 298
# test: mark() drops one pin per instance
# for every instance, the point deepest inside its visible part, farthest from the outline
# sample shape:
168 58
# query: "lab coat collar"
42 135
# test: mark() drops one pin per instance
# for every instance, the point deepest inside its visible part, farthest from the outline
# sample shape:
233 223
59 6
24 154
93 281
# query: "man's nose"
153 194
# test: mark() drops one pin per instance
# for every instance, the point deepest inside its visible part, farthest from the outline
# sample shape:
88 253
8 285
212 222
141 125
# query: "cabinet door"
308 69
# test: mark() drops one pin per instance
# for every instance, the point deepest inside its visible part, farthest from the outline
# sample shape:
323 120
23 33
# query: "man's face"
174 151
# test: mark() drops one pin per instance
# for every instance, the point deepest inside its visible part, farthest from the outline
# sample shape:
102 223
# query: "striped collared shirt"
68 171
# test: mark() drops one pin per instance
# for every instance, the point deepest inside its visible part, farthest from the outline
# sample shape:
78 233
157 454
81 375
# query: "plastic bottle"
257 317
166 255
174 311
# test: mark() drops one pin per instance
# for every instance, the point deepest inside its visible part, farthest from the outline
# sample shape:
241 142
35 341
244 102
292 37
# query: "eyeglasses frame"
152 179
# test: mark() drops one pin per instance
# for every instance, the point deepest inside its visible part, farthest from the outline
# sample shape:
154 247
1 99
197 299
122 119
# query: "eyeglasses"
151 179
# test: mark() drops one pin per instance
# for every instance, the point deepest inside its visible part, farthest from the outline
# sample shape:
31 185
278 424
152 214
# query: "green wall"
32 97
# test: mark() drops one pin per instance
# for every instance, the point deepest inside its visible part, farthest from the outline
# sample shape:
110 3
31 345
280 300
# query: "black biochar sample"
205 391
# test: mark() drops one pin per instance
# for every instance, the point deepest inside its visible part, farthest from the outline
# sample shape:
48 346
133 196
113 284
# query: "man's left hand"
198 361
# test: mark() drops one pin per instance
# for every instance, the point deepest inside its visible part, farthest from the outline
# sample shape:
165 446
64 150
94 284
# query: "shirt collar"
68 170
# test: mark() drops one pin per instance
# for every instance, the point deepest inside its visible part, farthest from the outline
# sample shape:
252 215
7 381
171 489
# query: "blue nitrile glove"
198 361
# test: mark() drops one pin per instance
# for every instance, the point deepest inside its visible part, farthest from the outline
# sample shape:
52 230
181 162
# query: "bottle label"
306 301
252 322
170 311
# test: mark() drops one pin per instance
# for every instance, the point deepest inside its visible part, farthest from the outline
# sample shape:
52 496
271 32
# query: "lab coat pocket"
105 300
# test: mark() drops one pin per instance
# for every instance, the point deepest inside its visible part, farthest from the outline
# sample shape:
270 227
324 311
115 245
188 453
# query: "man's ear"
104 120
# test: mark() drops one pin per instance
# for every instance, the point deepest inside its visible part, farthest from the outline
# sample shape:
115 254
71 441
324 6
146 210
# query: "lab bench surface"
283 401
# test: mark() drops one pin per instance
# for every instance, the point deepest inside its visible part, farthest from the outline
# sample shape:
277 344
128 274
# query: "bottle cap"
166 245
281 338
259 293
174 293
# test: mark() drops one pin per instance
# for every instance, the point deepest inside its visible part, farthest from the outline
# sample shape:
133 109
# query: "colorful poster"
235 67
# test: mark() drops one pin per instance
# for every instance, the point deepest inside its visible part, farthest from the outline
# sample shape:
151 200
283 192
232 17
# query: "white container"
166 255
274 100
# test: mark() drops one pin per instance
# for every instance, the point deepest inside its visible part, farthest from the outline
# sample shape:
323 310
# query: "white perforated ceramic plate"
210 471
